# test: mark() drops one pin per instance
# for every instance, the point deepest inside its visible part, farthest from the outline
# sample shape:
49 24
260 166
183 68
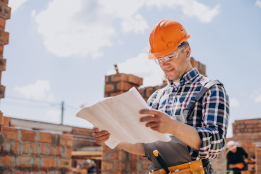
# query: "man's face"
175 68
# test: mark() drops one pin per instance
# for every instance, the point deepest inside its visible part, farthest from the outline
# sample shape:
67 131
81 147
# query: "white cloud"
65 36
258 98
234 103
38 91
82 28
15 4
258 3
137 24
141 67
256 95
190 8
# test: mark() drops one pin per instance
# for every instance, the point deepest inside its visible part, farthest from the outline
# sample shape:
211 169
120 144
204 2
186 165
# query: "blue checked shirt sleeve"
151 100
215 121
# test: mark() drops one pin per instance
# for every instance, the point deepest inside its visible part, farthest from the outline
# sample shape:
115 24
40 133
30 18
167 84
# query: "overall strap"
189 110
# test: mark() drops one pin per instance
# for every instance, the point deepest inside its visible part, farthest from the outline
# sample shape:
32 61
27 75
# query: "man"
236 158
204 133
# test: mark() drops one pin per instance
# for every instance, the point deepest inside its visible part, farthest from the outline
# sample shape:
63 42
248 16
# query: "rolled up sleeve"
215 122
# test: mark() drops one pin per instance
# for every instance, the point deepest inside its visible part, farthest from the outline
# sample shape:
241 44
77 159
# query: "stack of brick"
118 162
5 13
147 91
26 151
248 134
201 67
82 137
258 161
120 83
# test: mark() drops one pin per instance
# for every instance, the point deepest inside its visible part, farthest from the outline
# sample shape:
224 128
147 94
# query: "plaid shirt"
210 116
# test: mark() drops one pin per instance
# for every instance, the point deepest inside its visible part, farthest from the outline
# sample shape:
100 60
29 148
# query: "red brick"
258 151
106 166
1 118
1 50
117 155
6 121
135 80
65 163
33 146
2 64
15 147
133 165
9 133
69 152
66 140
2 23
149 91
6 160
119 77
120 166
25 161
108 88
258 167
142 157
133 157
43 150
2 90
48 163
28 135
146 165
6 11
5 1
45 137
123 86
258 159
26 146
105 148
117 93
4 36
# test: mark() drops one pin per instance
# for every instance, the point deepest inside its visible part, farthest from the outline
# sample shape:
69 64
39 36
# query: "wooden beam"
87 153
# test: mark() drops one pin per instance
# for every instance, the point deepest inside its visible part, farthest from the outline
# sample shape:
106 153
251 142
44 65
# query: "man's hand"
100 136
158 121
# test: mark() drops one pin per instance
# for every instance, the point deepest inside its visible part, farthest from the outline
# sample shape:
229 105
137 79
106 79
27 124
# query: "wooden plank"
86 153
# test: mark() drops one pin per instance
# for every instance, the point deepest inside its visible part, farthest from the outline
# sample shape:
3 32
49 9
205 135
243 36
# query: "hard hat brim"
166 52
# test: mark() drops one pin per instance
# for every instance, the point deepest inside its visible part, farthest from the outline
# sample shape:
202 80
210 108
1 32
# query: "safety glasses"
169 57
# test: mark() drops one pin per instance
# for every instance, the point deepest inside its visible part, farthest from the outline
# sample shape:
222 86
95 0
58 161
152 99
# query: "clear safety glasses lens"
169 57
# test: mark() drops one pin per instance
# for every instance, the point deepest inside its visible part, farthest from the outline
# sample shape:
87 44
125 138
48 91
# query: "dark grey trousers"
208 168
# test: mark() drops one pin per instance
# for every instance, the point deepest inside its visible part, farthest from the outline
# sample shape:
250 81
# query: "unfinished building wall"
27 151
5 13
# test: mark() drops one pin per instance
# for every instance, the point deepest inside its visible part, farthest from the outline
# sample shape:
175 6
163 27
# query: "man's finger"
95 129
152 124
102 138
149 111
99 134
150 119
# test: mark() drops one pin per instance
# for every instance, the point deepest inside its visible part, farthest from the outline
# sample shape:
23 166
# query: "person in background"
236 158
90 166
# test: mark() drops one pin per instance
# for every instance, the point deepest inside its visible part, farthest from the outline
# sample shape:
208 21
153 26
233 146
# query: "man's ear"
187 51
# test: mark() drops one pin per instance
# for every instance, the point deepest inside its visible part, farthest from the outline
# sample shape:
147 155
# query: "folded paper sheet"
120 116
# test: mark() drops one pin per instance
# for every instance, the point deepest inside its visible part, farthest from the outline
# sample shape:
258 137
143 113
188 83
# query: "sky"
61 50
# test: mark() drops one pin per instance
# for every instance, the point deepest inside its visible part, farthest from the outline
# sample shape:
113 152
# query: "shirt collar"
188 76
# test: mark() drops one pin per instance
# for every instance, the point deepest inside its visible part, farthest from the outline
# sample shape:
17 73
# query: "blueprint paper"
120 116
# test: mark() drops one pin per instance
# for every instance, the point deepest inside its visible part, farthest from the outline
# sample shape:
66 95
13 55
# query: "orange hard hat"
165 38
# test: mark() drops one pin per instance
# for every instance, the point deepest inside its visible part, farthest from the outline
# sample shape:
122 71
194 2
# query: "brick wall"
26 151
4 39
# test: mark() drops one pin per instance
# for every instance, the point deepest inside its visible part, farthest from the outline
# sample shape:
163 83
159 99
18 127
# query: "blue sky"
60 50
